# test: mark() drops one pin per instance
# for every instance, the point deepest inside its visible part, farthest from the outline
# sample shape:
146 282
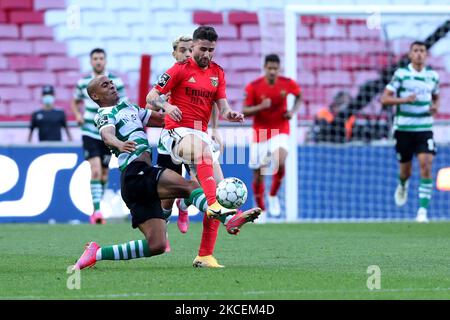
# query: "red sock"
258 191
209 236
205 174
276 181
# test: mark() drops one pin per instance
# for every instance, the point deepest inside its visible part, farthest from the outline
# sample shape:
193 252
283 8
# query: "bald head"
103 91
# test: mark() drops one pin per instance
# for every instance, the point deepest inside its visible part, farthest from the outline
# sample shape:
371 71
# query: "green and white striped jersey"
415 116
129 121
90 107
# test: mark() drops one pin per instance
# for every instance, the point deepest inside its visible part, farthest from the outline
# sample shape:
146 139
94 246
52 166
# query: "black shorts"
409 143
139 184
165 161
96 148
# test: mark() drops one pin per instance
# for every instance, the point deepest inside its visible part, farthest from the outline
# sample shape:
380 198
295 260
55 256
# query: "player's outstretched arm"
108 135
297 102
156 120
436 101
227 113
252 110
215 135
388 98
155 102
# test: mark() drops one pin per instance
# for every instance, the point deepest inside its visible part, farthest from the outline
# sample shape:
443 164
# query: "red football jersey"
193 91
270 122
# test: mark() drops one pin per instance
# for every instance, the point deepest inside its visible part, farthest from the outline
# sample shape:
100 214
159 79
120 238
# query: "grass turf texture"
277 261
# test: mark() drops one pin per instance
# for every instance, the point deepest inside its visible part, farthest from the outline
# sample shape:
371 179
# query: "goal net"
342 164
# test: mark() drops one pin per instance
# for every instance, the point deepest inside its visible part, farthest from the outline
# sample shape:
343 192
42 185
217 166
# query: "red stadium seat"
9 31
360 31
49 48
308 20
306 78
207 17
62 63
228 47
8 78
333 78
23 108
16 4
12 47
362 76
15 93
250 31
49 4
68 78
21 17
329 31
3 18
226 31
310 47
245 63
242 17
3 63
26 63
33 78
35 32
318 62
4 109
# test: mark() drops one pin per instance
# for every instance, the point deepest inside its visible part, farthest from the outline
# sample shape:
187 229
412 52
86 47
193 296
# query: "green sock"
96 192
402 181
130 250
198 199
104 186
425 189
167 213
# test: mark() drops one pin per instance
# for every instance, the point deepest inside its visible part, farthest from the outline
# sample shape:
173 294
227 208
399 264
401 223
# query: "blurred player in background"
121 126
49 120
194 86
266 101
415 91
95 151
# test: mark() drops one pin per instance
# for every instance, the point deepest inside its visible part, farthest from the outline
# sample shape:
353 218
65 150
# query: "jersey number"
430 144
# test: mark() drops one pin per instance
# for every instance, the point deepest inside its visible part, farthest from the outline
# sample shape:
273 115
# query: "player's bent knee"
157 247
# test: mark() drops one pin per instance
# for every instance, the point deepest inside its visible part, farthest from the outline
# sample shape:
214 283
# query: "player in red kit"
266 101
194 86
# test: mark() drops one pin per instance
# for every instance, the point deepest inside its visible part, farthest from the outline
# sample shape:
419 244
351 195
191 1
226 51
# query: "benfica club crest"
214 81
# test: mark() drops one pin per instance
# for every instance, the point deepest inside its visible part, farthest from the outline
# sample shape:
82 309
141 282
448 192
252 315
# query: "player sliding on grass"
194 86
121 127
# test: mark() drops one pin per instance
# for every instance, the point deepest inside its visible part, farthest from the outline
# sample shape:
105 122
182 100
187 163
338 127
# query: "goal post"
292 14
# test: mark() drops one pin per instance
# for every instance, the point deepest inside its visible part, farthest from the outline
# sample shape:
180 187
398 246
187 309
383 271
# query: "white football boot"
422 215
274 206
401 194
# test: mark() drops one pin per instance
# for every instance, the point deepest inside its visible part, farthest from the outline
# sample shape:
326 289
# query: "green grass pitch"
272 261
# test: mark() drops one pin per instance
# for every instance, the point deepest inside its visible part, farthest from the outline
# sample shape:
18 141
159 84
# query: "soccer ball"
231 193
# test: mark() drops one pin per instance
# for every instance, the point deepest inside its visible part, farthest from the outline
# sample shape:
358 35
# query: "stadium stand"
37 47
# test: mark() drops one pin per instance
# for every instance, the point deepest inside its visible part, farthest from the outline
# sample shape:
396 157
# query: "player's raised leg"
194 150
279 160
154 244
96 190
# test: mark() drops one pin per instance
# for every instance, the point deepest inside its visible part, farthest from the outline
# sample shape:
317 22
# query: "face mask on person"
48 100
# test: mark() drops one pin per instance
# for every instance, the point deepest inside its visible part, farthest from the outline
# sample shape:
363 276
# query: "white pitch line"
163 294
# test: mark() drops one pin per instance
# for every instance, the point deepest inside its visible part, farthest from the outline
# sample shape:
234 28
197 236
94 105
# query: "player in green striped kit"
95 151
415 91
121 126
